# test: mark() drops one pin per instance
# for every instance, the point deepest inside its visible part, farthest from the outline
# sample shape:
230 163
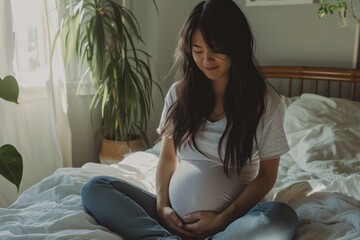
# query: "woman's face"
214 65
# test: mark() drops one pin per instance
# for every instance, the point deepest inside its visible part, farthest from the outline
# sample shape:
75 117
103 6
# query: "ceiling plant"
345 9
105 35
11 164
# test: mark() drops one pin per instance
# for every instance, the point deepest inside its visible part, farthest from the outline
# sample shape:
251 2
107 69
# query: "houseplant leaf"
11 165
9 89
327 7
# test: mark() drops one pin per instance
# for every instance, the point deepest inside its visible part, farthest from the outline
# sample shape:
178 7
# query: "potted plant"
11 165
104 34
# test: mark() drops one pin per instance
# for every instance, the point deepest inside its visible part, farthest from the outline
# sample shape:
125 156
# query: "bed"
319 177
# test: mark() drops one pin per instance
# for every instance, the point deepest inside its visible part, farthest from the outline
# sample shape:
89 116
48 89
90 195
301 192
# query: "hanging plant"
327 8
340 6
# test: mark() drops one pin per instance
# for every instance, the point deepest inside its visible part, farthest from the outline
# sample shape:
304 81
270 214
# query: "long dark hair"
225 30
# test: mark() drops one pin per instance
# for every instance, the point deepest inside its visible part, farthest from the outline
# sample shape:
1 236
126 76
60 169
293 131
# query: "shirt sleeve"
169 100
271 135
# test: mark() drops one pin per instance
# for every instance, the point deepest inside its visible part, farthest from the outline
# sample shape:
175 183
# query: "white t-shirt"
199 182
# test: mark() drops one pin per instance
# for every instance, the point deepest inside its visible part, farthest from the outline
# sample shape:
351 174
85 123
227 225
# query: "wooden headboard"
330 82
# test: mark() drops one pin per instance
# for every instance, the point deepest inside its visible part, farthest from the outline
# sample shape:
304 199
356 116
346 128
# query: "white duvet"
52 209
319 177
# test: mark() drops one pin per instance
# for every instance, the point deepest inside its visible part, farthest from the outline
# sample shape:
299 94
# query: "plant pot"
114 151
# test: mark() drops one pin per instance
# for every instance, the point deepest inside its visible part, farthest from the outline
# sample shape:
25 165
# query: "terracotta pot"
114 151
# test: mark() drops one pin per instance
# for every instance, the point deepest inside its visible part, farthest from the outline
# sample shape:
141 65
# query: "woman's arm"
207 223
254 192
165 169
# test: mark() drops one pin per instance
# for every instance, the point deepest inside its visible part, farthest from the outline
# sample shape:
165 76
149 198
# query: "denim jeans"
131 212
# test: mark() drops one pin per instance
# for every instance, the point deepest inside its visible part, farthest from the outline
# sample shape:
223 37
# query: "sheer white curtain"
38 127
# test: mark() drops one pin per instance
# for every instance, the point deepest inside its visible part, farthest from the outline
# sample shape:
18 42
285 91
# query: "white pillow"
288 100
324 133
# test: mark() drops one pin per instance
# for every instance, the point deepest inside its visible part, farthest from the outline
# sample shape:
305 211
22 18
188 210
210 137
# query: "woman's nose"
208 57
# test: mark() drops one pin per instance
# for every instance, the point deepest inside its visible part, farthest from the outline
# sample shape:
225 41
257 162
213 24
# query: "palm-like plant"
105 34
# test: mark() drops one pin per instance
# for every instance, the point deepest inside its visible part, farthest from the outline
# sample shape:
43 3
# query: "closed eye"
196 49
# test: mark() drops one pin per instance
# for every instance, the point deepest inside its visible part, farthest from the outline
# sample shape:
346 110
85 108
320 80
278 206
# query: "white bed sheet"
326 198
52 209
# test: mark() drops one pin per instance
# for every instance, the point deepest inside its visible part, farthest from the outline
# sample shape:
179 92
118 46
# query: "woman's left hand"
204 224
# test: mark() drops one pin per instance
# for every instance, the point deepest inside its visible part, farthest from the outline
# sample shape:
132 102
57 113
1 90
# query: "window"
31 48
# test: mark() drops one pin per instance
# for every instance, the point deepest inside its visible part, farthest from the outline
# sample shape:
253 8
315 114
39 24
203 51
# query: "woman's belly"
202 186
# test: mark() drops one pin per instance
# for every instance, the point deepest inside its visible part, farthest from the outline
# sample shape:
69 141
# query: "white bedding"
52 209
322 185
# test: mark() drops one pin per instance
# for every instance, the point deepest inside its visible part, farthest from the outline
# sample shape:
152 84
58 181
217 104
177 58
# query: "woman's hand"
173 222
204 223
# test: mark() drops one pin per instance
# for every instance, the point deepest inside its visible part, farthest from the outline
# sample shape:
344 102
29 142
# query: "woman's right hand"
172 222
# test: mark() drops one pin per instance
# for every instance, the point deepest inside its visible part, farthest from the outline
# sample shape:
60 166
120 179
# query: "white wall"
285 35
85 136
293 35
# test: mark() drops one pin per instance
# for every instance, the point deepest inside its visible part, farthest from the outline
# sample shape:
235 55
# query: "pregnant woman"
222 138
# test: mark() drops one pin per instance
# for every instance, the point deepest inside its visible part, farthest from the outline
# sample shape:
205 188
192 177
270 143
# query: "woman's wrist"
229 214
162 202
161 206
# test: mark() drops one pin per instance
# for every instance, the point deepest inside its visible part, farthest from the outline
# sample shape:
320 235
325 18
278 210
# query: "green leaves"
9 89
106 36
329 8
11 165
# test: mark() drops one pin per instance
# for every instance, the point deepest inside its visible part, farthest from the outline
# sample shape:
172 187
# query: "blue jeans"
131 212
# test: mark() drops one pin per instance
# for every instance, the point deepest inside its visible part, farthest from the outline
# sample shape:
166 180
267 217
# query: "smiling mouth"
210 68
